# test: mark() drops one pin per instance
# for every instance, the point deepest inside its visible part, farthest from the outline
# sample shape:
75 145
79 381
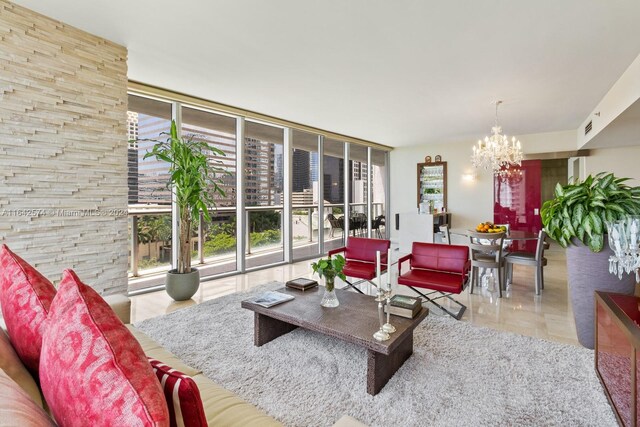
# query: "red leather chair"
360 256
441 268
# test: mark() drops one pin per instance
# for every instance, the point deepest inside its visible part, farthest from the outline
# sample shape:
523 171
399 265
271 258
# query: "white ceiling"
398 72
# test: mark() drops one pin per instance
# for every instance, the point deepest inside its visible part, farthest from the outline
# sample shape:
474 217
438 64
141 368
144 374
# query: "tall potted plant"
576 218
195 179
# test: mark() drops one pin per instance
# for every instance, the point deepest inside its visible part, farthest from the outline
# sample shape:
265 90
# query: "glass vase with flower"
329 268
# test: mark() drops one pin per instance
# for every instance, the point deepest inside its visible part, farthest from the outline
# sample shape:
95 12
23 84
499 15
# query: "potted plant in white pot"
195 179
576 218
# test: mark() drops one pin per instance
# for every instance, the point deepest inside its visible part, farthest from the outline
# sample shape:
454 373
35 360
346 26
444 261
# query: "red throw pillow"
25 296
93 372
182 396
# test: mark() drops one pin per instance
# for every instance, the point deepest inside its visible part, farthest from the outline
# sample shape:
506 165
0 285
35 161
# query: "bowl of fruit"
489 227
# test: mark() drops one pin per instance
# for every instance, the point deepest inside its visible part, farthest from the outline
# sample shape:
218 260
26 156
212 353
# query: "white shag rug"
458 375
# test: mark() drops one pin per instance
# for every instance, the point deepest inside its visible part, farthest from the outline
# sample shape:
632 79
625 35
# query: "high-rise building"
262 184
132 157
333 179
314 166
147 177
359 180
301 178
226 142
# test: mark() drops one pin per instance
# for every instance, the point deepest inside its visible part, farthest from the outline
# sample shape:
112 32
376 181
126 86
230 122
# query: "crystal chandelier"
496 152
624 240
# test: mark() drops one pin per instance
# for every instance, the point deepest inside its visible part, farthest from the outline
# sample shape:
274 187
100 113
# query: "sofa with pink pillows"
67 358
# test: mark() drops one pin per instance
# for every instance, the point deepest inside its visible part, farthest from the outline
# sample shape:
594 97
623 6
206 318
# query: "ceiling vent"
588 127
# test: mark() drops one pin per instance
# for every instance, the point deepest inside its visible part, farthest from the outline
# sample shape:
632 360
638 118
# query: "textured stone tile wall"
63 148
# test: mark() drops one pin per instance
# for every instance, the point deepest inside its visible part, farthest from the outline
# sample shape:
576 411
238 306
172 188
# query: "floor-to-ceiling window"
379 180
215 240
148 197
319 181
333 186
306 226
358 189
264 186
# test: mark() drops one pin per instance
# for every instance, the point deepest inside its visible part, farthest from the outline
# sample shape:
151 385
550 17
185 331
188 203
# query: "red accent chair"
441 268
360 254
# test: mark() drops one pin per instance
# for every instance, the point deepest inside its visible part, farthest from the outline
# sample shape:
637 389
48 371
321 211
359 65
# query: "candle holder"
388 327
381 334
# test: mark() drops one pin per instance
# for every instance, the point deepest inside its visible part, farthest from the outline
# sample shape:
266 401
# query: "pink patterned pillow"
25 296
92 370
182 396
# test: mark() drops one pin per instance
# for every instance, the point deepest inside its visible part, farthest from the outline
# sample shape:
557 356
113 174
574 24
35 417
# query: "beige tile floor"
546 316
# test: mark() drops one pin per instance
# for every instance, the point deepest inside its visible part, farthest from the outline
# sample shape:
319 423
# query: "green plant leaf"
586 224
569 227
559 190
596 222
614 207
563 241
573 191
606 181
578 213
596 243
588 181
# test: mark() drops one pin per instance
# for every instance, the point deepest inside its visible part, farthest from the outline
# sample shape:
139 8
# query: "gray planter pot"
589 272
181 287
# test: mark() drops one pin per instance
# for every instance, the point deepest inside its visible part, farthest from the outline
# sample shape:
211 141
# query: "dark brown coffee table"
354 320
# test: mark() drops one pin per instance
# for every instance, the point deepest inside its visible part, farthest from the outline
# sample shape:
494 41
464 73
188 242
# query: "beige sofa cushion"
11 364
153 349
221 406
224 408
121 305
17 409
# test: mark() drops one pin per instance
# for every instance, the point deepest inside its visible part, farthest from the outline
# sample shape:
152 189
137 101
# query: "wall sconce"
469 177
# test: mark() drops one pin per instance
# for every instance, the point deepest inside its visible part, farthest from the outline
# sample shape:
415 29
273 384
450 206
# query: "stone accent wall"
63 148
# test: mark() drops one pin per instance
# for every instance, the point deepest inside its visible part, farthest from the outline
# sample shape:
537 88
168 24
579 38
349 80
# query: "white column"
176 114
241 223
321 194
287 171
347 172
368 191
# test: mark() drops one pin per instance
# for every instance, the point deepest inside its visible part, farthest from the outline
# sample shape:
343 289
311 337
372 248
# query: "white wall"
624 162
469 202
622 94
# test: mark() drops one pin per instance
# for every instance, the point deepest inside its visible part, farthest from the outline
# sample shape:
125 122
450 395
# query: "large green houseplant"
194 179
576 218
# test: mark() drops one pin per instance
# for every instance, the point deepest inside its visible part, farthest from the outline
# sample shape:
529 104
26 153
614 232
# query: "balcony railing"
150 237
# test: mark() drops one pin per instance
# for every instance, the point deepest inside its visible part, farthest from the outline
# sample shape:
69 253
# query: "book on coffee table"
301 284
271 298
404 306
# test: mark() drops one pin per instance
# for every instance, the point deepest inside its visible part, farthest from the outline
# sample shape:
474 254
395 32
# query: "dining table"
517 237
512 235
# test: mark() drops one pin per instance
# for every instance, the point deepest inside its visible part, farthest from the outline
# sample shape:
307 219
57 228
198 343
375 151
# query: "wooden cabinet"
617 352
432 184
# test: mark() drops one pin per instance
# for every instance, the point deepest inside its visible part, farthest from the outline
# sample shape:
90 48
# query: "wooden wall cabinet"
432 184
